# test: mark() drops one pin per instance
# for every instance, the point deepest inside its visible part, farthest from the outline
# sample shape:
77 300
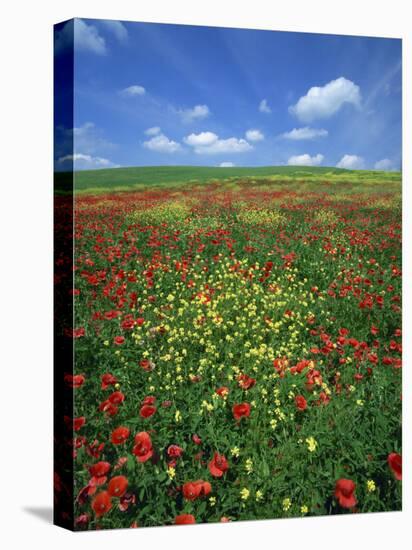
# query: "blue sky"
150 94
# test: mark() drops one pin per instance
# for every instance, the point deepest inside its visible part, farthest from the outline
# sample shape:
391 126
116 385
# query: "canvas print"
228 274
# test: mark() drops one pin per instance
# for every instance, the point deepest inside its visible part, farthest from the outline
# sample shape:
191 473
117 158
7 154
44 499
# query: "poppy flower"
174 451
146 411
185 519
75 381
108 408
149 400
78 423
195 489
119 340
196 439
108 380
101 503
301 403
241 409
99 469
117 486
223 391
116 398
345 493
245 381
218 465
125 501
395 464
120 435
143 447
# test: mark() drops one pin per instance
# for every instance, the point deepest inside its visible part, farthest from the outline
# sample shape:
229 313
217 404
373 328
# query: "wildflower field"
237 349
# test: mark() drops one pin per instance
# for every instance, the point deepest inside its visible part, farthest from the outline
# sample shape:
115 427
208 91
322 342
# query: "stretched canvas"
227 274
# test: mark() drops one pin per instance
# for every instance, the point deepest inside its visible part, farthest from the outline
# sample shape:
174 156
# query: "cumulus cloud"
80 35
226 164
198 112
153 131
117 28
351 162
383 164
208 143
254 135
325 101
306 160
264 107
87 37
86 162
204 138
305 133
133 91
90 140
162 144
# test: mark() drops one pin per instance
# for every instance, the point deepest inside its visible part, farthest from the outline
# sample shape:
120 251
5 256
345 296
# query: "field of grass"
146 177
238 344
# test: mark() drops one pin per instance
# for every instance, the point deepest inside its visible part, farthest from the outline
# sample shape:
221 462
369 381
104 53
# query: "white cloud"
324 101
204 138
305 133
117 28
87 37
254 135
351 162
226 165
198 112
153 131
162 144
384 164
208 143
88 139
133 91
264 107
86 162
306 160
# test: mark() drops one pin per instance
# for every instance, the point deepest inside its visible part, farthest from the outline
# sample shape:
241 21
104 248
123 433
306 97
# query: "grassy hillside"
141 177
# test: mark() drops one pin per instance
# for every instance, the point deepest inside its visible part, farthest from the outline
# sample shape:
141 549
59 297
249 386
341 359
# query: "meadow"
237 344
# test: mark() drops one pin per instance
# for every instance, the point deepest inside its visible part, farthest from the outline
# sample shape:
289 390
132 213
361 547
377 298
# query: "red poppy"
194 489
125 501
196 439
147 410
222 391
119 340
345 493
185 519
245 381
174 451
108 408
99 469
301 403
241 409
395 464
75 381
108 380
120 435
128 324
117 486
218 465
78 423
149 400
101 503
116 397
143 447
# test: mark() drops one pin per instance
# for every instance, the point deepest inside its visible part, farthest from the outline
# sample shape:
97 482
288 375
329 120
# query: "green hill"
143 177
